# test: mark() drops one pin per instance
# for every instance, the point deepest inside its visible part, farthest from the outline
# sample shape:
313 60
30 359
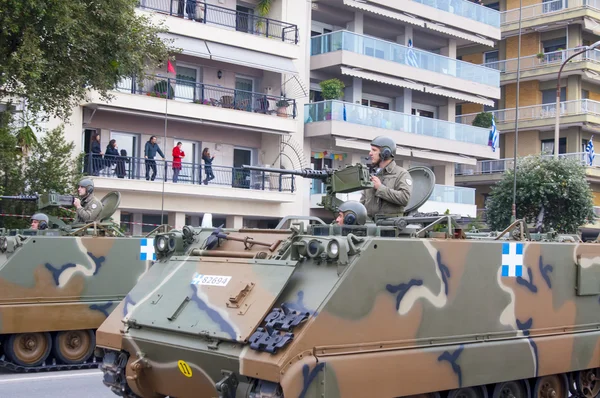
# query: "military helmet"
42 220
88 184
386 145
357 213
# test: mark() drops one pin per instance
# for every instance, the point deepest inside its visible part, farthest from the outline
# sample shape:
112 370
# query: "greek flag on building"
589 150
411 57
493 141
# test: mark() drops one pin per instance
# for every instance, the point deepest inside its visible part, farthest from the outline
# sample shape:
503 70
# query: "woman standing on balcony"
178 154
207 165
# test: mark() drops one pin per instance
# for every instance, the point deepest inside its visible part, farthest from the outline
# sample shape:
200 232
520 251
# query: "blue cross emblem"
512 259
147 249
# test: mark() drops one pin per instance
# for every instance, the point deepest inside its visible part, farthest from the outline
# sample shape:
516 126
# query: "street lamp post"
587 48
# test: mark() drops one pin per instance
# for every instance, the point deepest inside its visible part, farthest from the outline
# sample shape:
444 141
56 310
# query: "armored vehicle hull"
56 290
357 314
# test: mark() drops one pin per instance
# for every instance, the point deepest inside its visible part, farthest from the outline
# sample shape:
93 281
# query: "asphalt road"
66 384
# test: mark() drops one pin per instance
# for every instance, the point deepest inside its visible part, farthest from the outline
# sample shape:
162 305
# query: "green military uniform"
393 194
90 209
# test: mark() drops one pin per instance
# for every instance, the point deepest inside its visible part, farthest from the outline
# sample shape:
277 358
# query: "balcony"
343 119
466 9
459 200
550 12
131 174
201 103
489 171
216 24
537 116
534 66
338 48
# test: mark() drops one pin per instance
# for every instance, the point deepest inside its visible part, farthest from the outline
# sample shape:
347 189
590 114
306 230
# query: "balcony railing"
209 95
132 168
452 194
467 9
501 165
554 58
543 9
537 112
390 120
199 11
389 51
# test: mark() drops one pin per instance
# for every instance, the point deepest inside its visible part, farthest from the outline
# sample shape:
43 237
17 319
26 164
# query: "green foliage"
560 186
332 89
483 119
53 52
12 180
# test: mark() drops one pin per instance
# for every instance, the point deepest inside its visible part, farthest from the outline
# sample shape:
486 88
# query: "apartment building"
551 32
398 62
236 88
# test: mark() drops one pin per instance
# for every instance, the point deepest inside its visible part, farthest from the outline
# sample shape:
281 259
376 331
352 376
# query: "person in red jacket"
178 154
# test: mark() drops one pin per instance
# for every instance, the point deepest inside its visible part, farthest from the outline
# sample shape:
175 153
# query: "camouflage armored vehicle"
57 285
386 309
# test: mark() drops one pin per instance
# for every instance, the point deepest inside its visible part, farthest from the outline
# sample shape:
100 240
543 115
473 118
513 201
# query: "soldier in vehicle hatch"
39 221
392 183
351 212
89 207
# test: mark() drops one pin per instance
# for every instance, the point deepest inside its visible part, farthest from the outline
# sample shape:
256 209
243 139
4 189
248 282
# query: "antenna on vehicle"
514 203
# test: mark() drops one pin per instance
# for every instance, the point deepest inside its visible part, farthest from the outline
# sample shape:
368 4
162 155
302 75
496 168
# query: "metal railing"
394 52
390 120
132 168
453 194
542 9
467 9
554 58
208 95
501 165
537 112
199 11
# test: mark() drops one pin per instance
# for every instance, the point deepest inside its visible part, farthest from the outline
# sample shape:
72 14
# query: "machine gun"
51 199
352 178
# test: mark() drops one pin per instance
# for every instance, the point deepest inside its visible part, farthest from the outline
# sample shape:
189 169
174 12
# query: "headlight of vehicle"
3 244
333 249
161 243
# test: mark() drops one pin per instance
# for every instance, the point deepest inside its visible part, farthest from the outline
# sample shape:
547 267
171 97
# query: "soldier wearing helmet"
39 221
351 213
392 184
89 207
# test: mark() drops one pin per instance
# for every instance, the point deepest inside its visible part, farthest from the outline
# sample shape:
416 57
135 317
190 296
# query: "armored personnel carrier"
57 285
391 308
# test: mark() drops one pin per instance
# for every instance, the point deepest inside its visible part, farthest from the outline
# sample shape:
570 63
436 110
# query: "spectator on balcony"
150 151
178 154
120 169
207 165
112 153
96 156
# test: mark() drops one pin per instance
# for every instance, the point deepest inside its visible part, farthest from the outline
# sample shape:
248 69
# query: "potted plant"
331 89
282 105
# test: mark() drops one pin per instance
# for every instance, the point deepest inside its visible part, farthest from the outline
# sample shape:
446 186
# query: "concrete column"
574 36
356 26
137 228
195 221
450 49
448 112
404 101
177 219
408 35
573 88
444 174
234 222
353 93
404 163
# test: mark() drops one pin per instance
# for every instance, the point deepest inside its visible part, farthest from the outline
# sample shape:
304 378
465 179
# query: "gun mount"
46 200
352 178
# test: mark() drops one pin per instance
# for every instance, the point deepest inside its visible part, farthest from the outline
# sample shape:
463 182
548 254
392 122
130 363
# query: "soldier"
392 184
89 207
352 213
39 221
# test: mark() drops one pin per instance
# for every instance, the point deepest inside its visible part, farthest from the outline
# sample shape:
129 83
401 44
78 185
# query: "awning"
381 78
189 46
250 58
458 95
385 13
459 34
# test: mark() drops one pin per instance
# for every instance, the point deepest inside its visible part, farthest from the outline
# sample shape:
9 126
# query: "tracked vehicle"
395 308
59 284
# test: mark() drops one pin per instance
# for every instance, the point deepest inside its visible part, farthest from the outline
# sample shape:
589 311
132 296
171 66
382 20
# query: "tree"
53 52
483 119
559 185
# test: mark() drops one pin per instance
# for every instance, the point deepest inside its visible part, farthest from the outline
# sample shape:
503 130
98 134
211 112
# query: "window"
375 104
554 44
493 6
491 56
548 146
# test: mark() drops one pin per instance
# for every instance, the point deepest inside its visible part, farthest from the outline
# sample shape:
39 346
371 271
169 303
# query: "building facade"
398 62
551 32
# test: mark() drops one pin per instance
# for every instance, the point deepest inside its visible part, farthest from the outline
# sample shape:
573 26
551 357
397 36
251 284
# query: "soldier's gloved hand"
77 203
